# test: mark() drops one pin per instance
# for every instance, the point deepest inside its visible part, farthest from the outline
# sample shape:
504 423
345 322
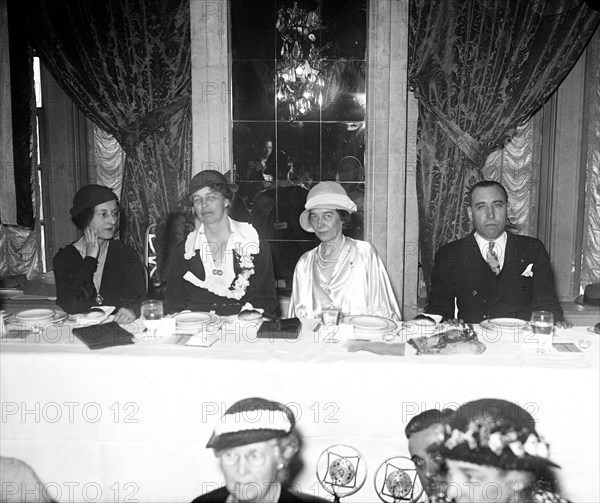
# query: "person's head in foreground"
211 194
95 211
488 207
494 453
425 434
255 442
328 210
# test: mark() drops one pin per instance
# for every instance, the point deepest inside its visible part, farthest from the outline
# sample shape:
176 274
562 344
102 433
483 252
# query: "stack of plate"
371 327
38 317
205 328
196 322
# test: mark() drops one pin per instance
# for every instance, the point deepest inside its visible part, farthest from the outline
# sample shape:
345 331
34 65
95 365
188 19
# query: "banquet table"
130 423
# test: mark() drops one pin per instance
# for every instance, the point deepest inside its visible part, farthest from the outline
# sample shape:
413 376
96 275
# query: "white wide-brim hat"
327 196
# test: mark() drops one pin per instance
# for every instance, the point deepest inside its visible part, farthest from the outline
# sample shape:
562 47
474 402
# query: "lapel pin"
474 292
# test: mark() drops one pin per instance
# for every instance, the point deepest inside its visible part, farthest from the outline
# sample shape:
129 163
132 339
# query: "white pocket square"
528 272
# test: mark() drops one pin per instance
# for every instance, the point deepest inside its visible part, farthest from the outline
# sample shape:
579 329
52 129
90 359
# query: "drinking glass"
330 314
151 314
542 325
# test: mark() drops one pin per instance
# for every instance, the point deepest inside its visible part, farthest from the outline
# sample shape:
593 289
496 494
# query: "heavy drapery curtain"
590 267
127 65
480 69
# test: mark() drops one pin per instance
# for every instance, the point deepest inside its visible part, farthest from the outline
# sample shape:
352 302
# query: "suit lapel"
481 268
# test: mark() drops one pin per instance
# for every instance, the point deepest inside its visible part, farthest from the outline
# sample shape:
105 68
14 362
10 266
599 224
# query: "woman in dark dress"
223 264
97 269
255 442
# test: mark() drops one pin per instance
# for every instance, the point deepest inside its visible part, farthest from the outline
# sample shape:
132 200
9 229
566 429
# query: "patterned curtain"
479 70
127 65
590 267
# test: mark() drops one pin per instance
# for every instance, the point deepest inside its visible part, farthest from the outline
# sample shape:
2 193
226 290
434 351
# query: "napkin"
166 328
249 307
94 316
105 335
335 333
285 328
203 340
379 348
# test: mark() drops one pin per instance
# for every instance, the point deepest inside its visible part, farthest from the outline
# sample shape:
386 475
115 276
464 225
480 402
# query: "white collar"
485 243
244 239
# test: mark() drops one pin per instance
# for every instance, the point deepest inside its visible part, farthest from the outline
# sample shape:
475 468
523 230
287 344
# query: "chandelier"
298 73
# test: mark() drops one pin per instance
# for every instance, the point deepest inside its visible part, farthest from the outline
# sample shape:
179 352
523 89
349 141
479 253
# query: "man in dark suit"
492 273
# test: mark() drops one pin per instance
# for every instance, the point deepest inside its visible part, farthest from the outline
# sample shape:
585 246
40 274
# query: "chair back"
150 254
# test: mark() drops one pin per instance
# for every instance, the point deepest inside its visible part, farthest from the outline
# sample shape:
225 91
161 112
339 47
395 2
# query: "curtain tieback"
136 132
463 140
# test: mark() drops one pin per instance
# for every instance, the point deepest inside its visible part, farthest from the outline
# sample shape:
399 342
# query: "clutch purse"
285 328
105 335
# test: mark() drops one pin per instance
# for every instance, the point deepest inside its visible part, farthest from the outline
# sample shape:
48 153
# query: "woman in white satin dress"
341 271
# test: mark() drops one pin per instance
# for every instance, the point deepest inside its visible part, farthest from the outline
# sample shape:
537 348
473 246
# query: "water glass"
542 325
151 314
330 314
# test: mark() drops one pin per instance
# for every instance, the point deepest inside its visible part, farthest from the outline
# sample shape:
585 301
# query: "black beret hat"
90 196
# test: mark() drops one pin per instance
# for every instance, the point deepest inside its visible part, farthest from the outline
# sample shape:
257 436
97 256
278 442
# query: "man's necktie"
492 259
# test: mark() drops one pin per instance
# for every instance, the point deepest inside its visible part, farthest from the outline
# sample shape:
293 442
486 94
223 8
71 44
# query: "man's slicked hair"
486 184
428 418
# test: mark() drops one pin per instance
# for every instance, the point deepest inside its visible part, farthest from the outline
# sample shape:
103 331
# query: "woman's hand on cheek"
125 315
92 246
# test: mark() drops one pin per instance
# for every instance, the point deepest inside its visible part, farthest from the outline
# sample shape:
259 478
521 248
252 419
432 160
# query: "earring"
280 466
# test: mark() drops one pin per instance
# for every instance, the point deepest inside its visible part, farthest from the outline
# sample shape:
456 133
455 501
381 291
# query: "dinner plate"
365 323
511 323
57 317
505 327
33 315
195 319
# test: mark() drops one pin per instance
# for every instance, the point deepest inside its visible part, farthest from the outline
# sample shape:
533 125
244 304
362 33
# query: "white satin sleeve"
380 297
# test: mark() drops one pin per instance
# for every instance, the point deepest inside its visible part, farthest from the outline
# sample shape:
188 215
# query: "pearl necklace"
333 258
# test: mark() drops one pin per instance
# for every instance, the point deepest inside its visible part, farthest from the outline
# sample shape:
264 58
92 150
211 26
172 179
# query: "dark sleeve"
544 297
442 292
217 496
175 289
135 278
74 276
262 291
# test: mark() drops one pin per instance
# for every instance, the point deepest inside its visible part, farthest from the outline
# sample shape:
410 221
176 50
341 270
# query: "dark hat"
207 178
252 420
90 196
591 295
497 433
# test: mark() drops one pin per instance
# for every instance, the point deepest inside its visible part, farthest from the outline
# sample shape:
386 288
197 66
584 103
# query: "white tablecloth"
131 423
